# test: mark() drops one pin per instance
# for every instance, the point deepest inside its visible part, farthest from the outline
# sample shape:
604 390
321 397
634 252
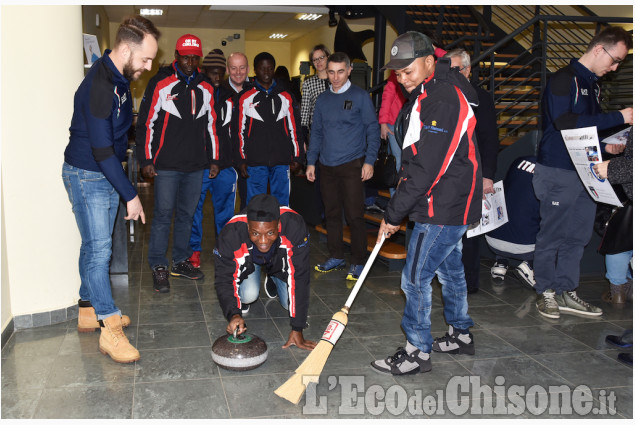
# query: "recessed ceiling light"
308 16
277 35
151 12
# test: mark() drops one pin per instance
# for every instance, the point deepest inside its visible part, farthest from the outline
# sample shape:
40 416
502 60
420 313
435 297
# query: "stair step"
389 250
377 218
533 121
533 106
434 23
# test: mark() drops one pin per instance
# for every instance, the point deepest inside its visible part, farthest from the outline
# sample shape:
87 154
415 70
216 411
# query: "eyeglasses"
319 59
615 61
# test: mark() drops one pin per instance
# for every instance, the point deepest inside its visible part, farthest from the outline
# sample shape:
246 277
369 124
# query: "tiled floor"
54 372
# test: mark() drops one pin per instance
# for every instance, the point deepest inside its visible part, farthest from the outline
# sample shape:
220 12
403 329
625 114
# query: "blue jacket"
571 100
344 128
102 116
523 208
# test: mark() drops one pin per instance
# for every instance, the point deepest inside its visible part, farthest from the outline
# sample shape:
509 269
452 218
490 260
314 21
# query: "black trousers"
342 188
471 260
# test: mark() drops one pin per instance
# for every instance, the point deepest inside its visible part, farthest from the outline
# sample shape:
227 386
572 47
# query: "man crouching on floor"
272 237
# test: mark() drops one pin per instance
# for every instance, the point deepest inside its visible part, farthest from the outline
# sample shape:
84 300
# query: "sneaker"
355 271
626 358
187 270
330 265
244 309
618 341
406 361
195 259
454 342
547 305
570 302
498 270
374 208
270 288
526 274
160 279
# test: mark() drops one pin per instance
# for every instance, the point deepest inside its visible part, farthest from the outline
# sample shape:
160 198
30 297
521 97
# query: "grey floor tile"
591 334
25 373
375 324
179 292
207 292
540 340
172 335
255 393
621 403
197 399
171 313
501 316
589 368
175 364
489 345
19 404
78 369
45 341
509 368
212 311
109 401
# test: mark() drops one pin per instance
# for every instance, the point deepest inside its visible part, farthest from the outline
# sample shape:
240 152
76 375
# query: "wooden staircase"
393 250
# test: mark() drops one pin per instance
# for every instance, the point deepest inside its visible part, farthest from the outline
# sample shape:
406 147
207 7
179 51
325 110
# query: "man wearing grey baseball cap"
440 190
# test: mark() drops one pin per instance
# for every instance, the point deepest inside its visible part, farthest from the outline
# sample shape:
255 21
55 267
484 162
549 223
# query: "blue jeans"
617 267
277 177
433 249
223 190
395 150
95 203
174 191
249 288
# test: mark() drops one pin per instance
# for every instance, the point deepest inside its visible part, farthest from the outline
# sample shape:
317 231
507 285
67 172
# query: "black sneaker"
160 279
187 270
404 363
453 343
270 287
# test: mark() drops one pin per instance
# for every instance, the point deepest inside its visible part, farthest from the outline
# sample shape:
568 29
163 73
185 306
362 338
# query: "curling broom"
312 366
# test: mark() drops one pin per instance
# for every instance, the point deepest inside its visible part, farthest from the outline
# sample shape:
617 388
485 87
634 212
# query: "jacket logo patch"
254 105
584 92
432 128
171 97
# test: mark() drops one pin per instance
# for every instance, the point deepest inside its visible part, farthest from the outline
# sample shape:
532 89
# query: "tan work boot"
87 319
115 343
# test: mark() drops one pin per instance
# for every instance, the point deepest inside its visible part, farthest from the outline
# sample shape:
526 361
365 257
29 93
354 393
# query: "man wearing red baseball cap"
176 143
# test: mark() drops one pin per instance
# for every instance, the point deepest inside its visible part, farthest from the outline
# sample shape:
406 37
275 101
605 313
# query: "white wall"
42 65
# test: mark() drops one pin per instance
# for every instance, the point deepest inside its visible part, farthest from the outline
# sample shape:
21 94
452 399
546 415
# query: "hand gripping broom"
312 366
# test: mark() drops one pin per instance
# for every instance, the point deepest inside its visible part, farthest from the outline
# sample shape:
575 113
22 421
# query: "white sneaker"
499 270
526 274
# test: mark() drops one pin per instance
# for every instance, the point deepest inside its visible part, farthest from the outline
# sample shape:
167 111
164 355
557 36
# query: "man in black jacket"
272 237
440 190
267 124
487 140
176 144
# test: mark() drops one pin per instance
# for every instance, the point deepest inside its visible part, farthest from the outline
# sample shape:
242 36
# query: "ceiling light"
308 16
151 12
277 35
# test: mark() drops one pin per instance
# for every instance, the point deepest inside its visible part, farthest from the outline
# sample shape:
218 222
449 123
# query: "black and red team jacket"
267 127
176 126
289 263
442 181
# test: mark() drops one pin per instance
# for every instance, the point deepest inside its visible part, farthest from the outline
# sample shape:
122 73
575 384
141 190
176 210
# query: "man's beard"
129 71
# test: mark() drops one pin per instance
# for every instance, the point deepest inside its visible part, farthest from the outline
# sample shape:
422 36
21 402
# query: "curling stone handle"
236 332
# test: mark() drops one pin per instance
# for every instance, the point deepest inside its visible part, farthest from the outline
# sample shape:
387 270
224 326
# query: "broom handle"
362 276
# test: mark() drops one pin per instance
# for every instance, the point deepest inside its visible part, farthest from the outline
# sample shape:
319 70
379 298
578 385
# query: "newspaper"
493 212
584 148
618 138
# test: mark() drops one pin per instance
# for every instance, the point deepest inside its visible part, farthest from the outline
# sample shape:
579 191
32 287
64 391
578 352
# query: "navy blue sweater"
571 100
344 128
99 128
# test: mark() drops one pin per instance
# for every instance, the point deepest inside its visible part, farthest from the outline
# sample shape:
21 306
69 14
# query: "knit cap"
214 58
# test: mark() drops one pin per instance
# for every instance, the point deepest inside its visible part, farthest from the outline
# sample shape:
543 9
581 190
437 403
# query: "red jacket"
391 101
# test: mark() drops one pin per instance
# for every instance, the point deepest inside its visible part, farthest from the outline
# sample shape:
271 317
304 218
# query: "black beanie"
264 208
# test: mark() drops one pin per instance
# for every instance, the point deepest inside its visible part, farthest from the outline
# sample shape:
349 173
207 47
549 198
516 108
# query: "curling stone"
239 352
